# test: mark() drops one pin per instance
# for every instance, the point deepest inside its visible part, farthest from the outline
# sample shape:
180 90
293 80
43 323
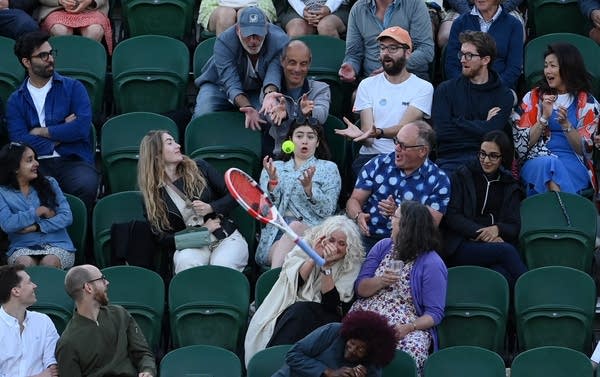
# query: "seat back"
336 143
543 17
264 283
402 365
120 207
475 314
464 361
223 157
142 293
78 228
12 73
551 362
268 361
200 361
221 128
83 59
551 302
121 137
215 312
52 299
533 67
150 73
171 18
202 54
558 232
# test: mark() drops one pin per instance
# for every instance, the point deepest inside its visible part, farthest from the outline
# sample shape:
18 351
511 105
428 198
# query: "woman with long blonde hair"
179 193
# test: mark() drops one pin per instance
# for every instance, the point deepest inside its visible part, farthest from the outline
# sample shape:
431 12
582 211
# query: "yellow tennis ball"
288 146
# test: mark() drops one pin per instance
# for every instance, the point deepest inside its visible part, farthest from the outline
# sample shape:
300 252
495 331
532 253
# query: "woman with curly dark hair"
33 211
358 347
404 279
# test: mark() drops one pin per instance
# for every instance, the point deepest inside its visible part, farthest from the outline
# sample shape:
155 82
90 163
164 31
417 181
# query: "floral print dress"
396 304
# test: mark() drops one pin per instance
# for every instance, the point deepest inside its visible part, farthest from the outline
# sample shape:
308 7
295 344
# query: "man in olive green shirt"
101 339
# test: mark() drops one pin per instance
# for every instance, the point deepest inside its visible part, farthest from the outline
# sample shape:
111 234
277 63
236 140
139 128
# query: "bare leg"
552 186
59 29
94 31
281 248
26 261
298 27
331 25
51 261
221 18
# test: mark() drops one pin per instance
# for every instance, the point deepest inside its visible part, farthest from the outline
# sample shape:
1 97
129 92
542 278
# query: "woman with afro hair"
360 346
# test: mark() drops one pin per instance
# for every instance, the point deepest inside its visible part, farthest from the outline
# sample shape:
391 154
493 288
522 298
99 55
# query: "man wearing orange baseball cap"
388 100
366 22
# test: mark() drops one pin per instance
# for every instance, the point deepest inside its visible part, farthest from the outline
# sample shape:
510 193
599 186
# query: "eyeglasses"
467 55
392 49
93 280
45 55
15 144
400 145
492 156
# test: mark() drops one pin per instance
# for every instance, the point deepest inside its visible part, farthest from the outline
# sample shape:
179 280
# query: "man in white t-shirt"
28 338
388 100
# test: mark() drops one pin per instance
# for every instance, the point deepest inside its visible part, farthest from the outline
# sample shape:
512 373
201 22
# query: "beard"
396 68
101 297
45 71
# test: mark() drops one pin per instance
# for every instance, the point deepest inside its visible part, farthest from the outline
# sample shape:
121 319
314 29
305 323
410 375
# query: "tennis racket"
251 197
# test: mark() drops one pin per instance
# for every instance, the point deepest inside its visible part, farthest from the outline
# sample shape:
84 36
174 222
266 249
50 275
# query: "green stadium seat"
200 361
209 305
402 365
83 59
551 362
120 207
221 128
121 137
551 236
52 299
150 73
555 306
464 361
142 293
264 283
171 18
202 54
12 73
476 309
268 361
78 228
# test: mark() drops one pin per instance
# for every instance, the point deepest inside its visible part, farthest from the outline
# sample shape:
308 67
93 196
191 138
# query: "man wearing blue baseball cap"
244 67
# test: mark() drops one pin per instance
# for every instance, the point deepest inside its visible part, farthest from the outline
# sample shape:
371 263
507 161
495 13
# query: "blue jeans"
212 97
74 176
501 257
15 22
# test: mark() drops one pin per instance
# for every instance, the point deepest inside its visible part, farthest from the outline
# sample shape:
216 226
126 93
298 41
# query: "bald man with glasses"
101 339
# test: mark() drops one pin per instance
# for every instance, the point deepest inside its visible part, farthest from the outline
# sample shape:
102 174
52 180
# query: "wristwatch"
326 271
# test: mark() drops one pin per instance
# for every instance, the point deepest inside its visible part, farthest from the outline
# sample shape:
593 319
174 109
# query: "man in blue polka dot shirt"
388 179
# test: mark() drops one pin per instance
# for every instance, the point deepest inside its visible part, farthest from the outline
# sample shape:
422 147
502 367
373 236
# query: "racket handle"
310 251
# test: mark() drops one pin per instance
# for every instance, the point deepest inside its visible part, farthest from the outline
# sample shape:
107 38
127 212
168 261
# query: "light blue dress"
564 166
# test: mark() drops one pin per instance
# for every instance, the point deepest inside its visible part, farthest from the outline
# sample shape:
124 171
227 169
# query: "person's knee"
330 26
50 260
26 261
95 32
298 27
223 17
23 24
59 29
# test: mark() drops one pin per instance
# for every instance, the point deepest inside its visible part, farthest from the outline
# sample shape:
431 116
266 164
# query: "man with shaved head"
300 97
101 339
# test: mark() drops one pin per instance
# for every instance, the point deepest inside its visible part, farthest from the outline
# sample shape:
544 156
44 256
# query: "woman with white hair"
307 296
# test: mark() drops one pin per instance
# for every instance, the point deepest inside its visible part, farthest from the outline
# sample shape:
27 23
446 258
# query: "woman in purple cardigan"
407 284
